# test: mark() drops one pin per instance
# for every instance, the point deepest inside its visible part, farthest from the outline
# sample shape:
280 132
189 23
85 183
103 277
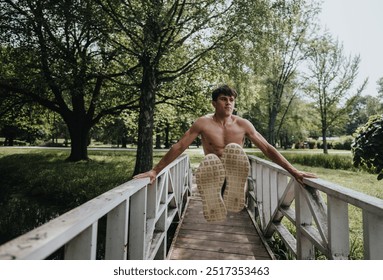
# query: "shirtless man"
222 133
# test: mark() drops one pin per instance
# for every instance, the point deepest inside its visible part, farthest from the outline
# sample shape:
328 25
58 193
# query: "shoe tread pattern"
210 176
236 164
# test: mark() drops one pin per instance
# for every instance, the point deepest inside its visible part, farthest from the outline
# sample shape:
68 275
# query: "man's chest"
225 135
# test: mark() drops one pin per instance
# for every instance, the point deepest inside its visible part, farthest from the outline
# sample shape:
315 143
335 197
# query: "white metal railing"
318 211
138 218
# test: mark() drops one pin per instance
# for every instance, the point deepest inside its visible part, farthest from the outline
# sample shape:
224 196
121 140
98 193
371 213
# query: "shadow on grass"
36 187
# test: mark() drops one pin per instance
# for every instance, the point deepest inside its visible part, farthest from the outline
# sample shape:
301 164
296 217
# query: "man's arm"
176 150
274 155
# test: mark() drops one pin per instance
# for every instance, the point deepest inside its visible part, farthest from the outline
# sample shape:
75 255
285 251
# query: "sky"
358 24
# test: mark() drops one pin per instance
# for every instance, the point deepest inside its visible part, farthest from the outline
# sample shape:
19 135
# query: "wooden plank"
189 254
305 249
83 246
218 228
338 228
239 248
235 238
288 239
372 236
137 228
221 236
117 232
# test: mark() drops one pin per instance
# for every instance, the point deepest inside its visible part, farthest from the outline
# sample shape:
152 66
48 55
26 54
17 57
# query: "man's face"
224 104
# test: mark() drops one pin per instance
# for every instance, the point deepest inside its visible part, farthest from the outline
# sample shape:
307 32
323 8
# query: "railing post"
137 228
117 232
282 185
83 246
338 228
266 196
273 192
259 194
161 225
305 249
372 236
152 196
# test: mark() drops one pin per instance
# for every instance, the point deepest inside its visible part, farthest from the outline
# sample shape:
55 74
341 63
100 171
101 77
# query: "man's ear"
214 103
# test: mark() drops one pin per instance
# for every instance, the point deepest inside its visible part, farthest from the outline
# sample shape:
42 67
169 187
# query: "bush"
321 160
341 161
368 146
344 143
312 144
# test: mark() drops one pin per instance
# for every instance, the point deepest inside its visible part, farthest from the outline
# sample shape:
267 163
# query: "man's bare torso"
216 135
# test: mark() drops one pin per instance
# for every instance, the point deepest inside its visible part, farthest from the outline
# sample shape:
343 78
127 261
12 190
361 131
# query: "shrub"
321 160
333 161
312 144
344 143
368 146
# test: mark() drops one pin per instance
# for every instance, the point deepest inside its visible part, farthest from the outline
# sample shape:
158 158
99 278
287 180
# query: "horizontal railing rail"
317 211
138 217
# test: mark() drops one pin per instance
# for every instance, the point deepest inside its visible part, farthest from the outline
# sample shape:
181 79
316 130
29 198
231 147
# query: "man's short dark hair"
225 90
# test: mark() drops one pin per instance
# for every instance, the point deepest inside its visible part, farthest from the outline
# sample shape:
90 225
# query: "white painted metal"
316 223
138 218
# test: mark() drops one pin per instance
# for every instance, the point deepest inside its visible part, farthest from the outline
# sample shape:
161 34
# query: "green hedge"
335 161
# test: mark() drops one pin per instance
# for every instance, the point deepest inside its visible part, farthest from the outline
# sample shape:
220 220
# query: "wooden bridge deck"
234 239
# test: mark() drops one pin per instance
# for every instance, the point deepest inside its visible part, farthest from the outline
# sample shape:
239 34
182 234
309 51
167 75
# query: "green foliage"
321 160
280 250
343 143
38 186
368 146
336 161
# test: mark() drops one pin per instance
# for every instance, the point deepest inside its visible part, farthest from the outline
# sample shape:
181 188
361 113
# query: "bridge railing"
317 211
138 218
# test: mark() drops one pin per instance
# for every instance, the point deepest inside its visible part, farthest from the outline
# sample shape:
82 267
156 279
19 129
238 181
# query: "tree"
56 54
165 39
290 23
367 147
330 79
362 109
22 119
380 88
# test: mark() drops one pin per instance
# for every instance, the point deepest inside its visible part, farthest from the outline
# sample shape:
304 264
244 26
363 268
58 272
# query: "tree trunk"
158 138
325 150
124 141
79 135
271 126
144 157
167 132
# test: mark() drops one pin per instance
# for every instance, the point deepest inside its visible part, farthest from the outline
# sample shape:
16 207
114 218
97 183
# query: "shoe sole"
237 168
210 176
